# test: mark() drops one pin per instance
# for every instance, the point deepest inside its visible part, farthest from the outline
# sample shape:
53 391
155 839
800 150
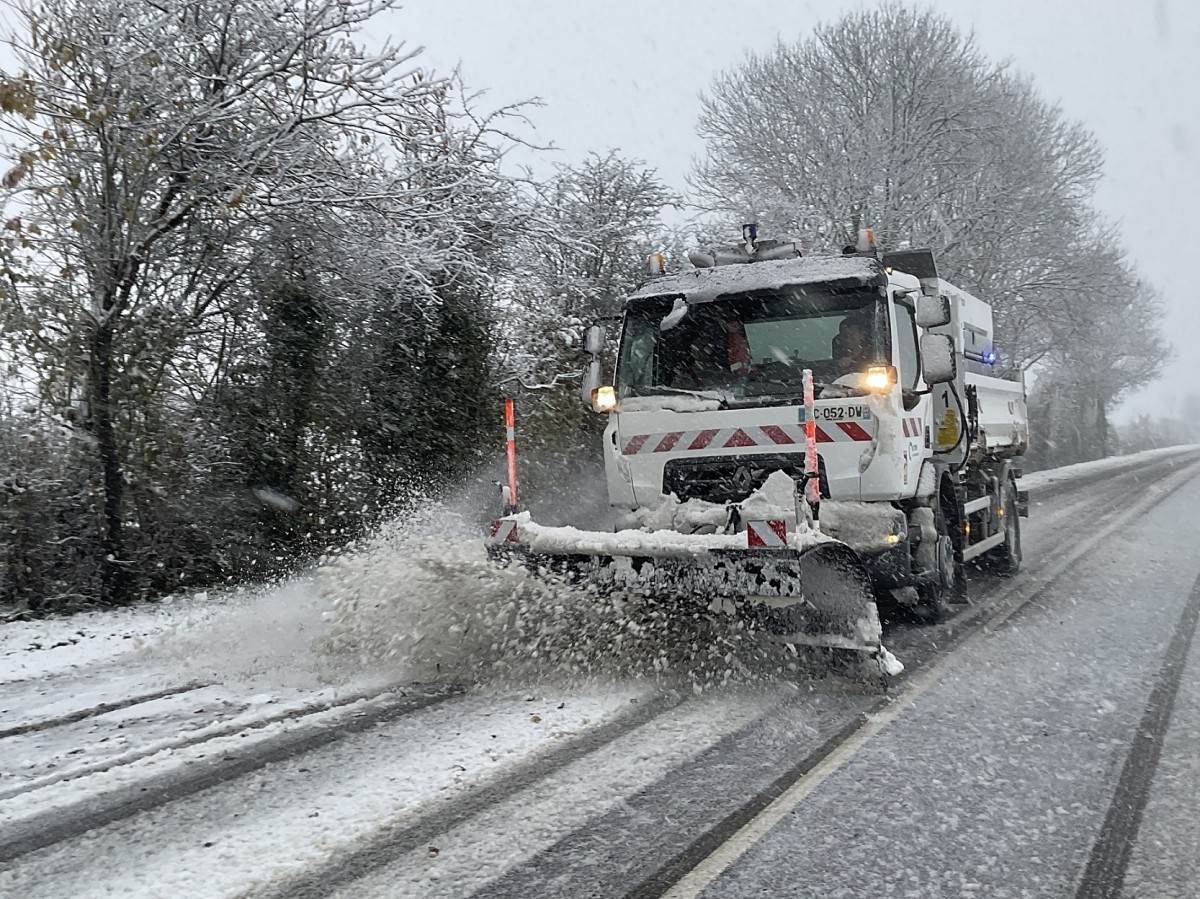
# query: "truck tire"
935 598
1005 560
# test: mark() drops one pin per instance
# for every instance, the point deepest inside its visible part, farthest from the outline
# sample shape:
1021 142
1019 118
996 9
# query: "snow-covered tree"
160 150
1113 347
587 234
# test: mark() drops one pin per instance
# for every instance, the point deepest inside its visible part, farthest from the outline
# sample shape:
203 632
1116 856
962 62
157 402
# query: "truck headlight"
604 399
879 378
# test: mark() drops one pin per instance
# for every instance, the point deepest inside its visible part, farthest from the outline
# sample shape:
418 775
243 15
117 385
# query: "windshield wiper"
839 391
721 398
753 400
791 396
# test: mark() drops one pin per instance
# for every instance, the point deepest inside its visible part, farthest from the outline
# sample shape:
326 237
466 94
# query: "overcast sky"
625 74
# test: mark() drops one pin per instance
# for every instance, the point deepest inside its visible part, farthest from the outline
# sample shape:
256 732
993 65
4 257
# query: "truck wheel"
936 596
1005 560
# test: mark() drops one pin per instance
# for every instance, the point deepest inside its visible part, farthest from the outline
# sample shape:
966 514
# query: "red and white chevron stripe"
503 530
732 438
912 427
771 534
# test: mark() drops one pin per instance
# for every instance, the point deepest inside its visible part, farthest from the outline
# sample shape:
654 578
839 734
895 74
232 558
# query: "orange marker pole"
811 464
511 436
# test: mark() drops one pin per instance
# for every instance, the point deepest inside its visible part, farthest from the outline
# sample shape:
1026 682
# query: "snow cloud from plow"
423 599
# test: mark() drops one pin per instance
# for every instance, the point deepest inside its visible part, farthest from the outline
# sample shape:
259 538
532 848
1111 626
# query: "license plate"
841 412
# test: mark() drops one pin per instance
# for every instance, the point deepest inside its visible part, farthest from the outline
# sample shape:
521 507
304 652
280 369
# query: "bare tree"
1114 346
893 119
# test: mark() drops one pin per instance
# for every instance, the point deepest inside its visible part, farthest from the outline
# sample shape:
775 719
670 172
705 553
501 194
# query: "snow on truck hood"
703 285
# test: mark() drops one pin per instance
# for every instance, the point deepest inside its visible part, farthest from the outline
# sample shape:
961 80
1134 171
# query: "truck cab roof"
703 285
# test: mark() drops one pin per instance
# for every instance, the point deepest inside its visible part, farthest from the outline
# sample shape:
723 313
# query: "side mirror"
594 341
933 312
938 361
591 380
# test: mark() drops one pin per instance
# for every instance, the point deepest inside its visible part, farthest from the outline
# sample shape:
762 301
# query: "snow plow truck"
790 438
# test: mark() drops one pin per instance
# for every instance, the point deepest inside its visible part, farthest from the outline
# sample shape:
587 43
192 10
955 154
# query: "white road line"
1009 601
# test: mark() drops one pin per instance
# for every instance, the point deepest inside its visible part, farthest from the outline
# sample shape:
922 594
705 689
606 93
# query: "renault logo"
743 478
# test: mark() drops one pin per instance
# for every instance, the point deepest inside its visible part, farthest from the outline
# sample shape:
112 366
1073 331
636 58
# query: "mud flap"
836 607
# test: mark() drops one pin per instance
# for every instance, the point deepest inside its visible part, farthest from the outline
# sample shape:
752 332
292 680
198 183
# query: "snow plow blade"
817 596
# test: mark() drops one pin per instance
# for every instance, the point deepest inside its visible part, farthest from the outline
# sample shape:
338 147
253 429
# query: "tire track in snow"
60 823
639 835
195 738
102 709
394 842
1104 876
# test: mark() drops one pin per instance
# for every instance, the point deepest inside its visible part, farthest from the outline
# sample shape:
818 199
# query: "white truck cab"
707 403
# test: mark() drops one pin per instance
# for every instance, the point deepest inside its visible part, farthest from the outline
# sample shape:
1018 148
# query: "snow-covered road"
205 748
996 779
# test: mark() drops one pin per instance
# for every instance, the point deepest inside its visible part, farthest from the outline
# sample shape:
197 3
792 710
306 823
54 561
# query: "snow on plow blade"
817 596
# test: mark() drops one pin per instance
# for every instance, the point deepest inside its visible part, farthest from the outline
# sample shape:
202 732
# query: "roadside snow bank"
55 646
52 646
1040 479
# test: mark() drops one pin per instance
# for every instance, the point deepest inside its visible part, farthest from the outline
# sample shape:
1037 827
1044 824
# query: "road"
1040 744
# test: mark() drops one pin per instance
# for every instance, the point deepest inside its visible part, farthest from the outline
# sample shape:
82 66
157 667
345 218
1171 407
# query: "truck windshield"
753 344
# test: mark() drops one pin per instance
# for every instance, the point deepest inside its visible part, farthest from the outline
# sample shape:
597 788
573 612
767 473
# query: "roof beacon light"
866 240
750 236
656 264
989 358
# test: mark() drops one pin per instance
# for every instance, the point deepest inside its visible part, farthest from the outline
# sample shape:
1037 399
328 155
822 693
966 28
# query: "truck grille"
731 479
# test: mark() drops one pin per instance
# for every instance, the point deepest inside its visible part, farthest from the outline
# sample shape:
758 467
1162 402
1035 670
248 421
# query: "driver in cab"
704 363
852 349
715 356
